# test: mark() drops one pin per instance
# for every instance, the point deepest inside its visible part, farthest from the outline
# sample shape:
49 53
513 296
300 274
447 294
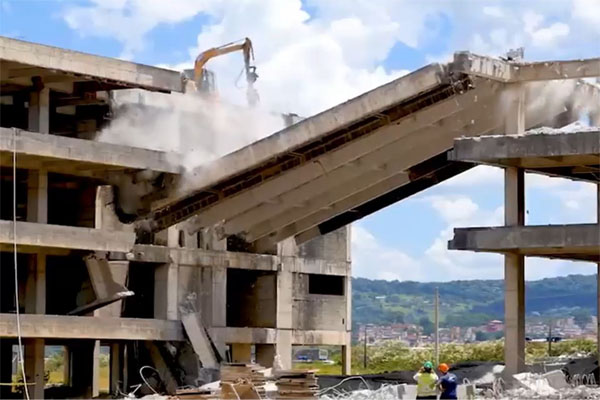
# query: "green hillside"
467 303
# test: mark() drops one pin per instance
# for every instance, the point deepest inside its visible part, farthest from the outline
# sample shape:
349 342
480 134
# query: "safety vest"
426 383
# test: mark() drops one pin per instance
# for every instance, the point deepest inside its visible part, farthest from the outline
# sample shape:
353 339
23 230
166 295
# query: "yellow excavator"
204 79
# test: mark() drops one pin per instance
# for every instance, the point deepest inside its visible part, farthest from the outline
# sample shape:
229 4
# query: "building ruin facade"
86 282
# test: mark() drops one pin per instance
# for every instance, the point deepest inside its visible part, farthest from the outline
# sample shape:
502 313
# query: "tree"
427 325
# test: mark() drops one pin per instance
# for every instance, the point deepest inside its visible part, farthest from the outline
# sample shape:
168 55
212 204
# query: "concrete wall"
316 311
333 246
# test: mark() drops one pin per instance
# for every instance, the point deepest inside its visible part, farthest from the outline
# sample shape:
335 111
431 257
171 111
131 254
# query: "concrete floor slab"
32 235
576 242
71 327
78 156
573 155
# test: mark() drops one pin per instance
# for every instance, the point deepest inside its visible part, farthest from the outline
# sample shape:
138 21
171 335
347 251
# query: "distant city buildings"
412 335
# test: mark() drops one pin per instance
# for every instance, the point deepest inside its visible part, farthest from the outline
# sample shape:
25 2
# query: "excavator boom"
248 52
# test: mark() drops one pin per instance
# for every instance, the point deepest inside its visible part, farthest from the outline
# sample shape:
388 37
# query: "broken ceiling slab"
574 155
73 327
575 242
34 235
23 60
508 72
82 157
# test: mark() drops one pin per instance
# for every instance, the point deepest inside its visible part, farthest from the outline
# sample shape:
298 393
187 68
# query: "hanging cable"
14 199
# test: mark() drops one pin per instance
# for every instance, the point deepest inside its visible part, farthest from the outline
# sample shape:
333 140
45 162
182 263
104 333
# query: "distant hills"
467 303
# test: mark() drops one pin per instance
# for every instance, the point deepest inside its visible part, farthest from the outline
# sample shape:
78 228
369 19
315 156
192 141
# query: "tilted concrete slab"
32 235
415 118
21 59
79 156
574 155
70 327
577 242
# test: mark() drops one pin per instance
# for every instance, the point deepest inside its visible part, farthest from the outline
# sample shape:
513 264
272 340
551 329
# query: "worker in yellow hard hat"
426 379
447 383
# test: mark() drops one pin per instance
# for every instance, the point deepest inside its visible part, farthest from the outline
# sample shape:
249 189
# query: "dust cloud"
192 129
196 129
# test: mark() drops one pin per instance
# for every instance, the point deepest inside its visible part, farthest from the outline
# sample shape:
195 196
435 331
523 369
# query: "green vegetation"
394 356
468 303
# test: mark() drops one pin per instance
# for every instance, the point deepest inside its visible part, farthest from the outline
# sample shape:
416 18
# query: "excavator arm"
246 48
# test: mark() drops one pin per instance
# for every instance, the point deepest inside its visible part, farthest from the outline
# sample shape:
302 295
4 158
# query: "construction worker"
426 379
447 383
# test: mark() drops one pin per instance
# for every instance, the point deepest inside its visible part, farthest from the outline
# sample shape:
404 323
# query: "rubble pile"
385 392
242 381
296 384
576 393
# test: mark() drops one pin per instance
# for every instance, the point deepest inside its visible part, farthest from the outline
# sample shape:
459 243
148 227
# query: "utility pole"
437 327
365 347
550 339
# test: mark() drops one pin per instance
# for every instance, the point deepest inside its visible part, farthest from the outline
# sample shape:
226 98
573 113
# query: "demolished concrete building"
255 257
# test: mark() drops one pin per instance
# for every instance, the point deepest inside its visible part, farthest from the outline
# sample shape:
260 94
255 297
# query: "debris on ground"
296 384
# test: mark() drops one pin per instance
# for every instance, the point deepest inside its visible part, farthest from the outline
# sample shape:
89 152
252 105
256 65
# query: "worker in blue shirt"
447 383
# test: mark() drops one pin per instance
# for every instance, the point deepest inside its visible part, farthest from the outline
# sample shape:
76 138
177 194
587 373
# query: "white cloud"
493 11
371 259
587 11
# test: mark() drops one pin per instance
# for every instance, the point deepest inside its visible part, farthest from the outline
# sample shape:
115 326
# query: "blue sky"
314 54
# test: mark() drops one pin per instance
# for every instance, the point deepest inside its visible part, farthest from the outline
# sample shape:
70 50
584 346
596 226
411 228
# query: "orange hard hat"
443 367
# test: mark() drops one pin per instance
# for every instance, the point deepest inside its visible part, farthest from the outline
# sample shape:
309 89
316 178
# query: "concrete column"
166 283
96 369
285 282
514 264
219 297
39 111
347 358
241 352
67 366
265 354
283 347
35 286
115 367
34 367
514 278
37 196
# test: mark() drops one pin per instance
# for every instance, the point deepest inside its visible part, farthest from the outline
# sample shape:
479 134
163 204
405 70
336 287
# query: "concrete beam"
503 71
70 327
79 156
531 150
579 241
90 67
36 235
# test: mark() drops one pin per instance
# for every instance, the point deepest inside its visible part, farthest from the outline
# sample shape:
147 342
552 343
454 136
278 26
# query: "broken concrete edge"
124 73
513 71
